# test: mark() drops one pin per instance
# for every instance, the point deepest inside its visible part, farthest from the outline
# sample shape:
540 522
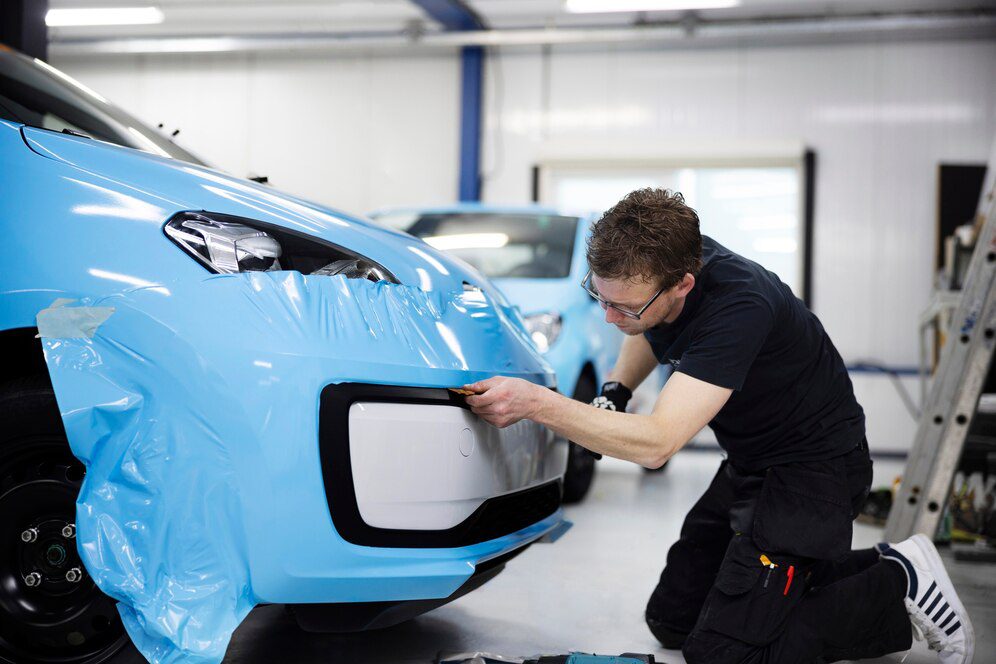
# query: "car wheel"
580 463
50 609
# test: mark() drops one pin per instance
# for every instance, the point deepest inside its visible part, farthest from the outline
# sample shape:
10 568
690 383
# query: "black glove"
615 396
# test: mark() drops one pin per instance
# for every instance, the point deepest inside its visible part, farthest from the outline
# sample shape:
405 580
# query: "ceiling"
299 19
517 13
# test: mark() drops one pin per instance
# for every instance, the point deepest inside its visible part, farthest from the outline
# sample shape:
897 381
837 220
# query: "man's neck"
675 311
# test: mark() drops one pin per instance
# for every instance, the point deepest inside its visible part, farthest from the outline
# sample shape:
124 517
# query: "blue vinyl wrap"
194 403
586 340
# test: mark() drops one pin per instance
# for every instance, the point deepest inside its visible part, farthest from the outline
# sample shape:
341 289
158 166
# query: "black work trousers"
811 598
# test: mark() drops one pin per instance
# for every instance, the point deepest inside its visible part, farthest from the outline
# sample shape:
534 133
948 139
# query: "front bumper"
413 467
196 408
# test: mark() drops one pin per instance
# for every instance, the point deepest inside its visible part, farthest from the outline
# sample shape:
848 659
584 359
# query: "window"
524 246
755 211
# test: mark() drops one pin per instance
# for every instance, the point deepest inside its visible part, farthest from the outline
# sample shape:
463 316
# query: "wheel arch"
587 370
21 354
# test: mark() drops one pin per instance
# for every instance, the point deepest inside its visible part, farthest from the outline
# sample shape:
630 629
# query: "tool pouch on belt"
749 601
804 509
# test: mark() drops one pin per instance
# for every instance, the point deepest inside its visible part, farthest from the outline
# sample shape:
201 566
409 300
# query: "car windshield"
525 246
35 93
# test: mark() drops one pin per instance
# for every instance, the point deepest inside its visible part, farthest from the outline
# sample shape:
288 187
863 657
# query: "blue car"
536 257
216 396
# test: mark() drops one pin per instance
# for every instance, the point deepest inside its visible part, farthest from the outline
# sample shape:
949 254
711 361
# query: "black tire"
580 463
56 620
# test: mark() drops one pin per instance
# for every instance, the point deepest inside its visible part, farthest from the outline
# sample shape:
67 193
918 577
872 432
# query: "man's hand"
504 401
685 405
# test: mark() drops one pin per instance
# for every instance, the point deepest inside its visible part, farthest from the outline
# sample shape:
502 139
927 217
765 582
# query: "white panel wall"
880 117
359 132
354 132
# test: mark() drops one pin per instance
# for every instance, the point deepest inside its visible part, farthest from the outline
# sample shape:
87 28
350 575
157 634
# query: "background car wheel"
580 464
50 609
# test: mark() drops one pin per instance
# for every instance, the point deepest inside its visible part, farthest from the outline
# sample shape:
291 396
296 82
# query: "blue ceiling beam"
452 14
471 121
457 16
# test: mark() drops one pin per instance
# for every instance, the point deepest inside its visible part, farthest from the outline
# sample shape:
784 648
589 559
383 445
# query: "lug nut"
33 579
69 531
30 535
74 575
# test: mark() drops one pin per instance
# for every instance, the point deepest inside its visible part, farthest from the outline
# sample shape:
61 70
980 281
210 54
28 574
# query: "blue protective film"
194 406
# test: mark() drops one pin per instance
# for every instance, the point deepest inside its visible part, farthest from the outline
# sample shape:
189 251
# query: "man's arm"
684 407
636 361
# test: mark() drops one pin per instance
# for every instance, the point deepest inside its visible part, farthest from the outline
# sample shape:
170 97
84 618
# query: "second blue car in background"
536 256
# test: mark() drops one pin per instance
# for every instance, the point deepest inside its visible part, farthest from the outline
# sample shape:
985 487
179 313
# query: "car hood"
536 295
184 186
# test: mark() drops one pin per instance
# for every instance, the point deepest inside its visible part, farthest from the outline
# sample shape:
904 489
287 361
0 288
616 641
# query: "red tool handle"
788 583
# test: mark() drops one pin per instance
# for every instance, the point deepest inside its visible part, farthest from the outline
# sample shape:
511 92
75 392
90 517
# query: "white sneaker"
931 600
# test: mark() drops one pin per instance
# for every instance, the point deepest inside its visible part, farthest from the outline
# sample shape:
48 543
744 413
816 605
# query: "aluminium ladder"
947 414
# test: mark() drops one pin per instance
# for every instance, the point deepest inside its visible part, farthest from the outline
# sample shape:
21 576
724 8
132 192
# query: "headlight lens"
356 268
227 244
544 328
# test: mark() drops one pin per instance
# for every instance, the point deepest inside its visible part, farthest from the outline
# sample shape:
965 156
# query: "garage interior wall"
359 132
349 131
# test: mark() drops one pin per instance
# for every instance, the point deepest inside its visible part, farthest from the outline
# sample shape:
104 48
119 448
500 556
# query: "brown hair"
650 234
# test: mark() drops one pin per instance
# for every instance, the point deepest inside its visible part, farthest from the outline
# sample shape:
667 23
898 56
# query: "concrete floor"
586 592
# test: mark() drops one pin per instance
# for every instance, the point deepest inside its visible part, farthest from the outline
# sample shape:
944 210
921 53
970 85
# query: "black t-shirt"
742 328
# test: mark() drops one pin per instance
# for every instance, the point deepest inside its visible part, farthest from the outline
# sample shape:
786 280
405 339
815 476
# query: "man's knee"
705 647
672 612
681 589
669 636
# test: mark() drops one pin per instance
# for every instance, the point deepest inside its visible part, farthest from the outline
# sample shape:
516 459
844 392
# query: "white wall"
353 132
359 132
880 117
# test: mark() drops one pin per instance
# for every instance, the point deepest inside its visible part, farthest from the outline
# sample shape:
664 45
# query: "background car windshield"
503 245
35 93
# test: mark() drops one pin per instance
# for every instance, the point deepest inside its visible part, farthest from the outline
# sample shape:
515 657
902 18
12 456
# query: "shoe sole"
929 551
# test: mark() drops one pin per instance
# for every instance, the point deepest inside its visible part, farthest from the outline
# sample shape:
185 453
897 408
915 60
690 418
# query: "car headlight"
227 244
544 329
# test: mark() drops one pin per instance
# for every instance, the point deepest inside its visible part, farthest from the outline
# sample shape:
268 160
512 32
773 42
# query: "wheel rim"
50 608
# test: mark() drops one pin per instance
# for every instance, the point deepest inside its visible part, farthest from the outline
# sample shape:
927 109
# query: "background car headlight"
228 244
544 329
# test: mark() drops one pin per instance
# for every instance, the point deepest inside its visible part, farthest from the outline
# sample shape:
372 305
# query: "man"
763 570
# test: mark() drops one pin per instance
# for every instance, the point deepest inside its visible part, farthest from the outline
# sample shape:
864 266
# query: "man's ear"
685 286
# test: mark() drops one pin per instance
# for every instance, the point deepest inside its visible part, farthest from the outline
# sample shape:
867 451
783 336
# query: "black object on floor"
571 658
581 658
876 507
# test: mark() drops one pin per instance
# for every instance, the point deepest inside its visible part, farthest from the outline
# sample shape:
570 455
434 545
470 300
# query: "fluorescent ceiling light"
593 6
468 241
103 16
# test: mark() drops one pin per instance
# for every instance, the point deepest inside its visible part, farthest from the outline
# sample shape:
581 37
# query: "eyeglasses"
635 315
